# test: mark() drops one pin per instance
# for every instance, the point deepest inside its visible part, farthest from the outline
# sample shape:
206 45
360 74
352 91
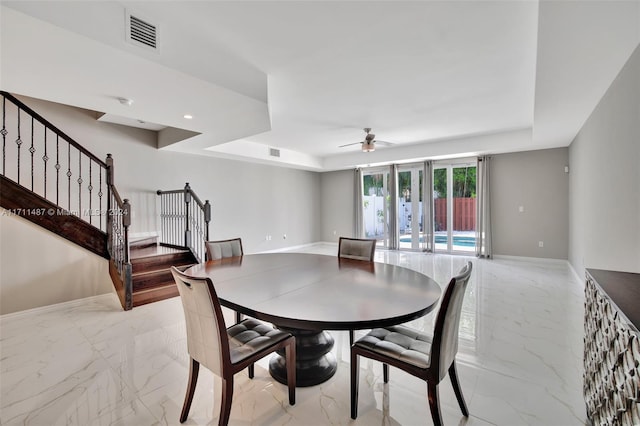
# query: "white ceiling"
436 78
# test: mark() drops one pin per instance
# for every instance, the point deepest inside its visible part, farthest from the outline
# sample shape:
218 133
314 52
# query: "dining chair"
225 351
225 249
428 358
357 249
222 249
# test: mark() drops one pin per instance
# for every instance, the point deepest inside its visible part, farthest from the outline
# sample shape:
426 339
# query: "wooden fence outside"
464 214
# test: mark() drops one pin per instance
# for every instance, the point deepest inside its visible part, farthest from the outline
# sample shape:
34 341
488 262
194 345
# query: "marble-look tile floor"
90 363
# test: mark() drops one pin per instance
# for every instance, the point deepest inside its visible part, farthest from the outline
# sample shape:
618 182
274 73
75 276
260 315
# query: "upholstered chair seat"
401 343
251 336
425 357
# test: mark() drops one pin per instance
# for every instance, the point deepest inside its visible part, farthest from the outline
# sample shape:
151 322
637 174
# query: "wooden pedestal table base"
315 363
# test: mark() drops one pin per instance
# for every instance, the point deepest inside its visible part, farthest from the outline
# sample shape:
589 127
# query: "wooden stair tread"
138 243
155 294
151 272
142 281
161 261
152 251
159 287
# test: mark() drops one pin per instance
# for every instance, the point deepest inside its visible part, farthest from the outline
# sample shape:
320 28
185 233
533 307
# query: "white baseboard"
575 273
532 259
299 247
58 306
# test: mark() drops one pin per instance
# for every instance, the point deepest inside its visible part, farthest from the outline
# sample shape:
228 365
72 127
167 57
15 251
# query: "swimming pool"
458 240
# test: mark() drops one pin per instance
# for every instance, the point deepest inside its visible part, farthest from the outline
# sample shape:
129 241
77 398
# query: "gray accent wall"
536 182
605 179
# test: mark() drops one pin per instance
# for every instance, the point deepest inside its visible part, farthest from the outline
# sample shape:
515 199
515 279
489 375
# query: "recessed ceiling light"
125 101
188 116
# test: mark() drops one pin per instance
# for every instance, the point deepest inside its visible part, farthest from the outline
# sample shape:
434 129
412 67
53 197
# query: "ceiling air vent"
141 32
274 152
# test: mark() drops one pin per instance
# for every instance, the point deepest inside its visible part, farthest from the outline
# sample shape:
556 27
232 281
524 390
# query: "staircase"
51 180
151 270
56 183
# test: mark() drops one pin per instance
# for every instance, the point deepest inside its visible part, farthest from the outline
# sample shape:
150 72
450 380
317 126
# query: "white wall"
39 268
605 179
248 200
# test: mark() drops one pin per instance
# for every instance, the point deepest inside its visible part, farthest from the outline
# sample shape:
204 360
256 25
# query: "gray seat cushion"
401 343
250 336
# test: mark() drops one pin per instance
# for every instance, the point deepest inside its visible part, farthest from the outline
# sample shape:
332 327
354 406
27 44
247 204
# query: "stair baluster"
184 220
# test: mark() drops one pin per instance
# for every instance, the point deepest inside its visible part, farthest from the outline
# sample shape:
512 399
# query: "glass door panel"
464 208
375 208
409 201
454 189
440 209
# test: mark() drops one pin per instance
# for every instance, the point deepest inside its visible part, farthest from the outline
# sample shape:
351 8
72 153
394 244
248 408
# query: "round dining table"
307 294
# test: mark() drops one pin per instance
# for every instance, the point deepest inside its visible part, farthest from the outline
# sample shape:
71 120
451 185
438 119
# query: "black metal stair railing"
184 220
41 158
77 181
118 222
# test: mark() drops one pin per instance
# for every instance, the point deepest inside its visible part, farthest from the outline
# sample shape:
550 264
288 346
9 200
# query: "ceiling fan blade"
384 143
349 144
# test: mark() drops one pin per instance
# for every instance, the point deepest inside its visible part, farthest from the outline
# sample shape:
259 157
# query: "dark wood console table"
307 294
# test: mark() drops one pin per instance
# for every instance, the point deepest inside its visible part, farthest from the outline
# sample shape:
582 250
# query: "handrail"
179 223
50 126
181 191
29 149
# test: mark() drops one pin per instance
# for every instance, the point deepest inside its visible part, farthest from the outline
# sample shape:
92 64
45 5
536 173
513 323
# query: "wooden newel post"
127 269
109 169
126 213
187 201
109 177
126 222
207 218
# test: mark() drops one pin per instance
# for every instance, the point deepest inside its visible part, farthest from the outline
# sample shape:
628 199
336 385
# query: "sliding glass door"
395 217
454 190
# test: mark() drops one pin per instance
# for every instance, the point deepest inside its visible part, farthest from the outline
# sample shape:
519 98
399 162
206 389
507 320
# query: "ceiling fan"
369 142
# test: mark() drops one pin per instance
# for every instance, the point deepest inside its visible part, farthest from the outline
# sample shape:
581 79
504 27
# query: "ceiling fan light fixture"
368 146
